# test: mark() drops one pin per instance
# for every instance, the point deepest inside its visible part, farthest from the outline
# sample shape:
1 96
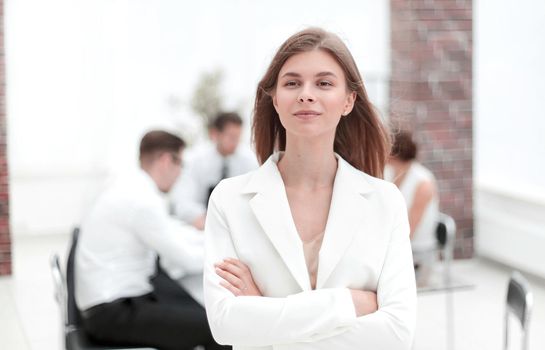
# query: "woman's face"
311 94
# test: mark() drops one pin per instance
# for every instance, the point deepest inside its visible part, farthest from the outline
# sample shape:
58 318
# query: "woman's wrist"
365 302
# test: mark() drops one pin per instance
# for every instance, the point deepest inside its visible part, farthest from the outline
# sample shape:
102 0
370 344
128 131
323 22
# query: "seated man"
121 238
208 166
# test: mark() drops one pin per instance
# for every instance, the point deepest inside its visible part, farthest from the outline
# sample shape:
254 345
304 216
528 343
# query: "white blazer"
366 246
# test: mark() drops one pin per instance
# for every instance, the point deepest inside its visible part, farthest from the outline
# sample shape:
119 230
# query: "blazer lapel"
271 208
346 216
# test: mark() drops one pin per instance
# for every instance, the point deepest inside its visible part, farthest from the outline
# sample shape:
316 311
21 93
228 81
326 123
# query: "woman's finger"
240 269
239 275
229 277
231 267
236 292
242 266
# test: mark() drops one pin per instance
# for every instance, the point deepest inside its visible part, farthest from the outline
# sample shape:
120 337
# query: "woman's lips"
306 115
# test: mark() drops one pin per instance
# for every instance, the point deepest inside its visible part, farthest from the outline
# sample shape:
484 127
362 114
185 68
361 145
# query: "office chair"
445 233
519 304
64 289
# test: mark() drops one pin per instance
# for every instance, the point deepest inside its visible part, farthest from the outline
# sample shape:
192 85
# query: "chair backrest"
59 286
445 232
74 336
73 313
519 304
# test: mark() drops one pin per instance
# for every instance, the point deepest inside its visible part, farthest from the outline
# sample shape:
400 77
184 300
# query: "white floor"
29 317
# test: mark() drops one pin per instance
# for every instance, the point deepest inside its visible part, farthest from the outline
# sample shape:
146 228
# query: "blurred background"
81 81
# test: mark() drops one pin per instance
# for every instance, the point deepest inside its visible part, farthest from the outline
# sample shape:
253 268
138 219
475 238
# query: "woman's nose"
306 96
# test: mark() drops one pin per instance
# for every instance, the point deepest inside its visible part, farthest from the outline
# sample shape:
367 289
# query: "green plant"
207 99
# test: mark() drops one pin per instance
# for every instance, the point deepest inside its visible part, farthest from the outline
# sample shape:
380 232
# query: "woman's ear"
349 104
273 96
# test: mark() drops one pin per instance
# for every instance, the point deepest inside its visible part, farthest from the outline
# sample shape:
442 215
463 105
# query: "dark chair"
445 234
518 304
74 335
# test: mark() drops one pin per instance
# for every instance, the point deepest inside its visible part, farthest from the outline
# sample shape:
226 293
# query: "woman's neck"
400 171
307 163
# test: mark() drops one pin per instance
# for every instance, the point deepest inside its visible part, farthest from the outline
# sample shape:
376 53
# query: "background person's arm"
422 197
169 239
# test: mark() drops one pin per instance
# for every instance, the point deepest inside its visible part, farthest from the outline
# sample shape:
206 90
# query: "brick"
431 92
5 267
5 250
5 239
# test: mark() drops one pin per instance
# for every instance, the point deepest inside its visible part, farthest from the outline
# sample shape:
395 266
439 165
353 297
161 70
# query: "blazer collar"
268 173
271 208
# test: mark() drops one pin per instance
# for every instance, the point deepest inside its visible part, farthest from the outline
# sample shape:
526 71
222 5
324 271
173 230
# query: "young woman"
311 251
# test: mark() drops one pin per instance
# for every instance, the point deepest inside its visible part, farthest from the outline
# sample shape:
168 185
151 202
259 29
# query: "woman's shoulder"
421 172
233 185
384 187
375 183
380 189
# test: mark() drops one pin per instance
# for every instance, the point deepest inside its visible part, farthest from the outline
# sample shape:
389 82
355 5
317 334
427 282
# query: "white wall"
86 78
510 132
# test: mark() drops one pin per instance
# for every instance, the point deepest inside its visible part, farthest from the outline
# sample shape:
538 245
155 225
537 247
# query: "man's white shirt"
121 237
203 171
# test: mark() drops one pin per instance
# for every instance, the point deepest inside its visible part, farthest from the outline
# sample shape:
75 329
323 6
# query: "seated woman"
418 186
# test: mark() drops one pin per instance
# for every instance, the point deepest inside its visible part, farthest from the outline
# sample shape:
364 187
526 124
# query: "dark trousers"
167 319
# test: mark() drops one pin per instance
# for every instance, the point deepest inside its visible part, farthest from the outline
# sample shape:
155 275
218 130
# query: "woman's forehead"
311 63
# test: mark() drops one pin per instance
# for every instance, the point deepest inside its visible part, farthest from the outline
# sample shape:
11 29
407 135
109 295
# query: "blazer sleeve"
392 325
262 321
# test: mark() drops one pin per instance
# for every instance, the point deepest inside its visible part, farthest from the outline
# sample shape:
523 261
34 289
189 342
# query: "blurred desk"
442 280
439 284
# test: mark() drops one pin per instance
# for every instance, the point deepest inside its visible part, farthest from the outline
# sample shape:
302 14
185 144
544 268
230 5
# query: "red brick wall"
431 93
5 241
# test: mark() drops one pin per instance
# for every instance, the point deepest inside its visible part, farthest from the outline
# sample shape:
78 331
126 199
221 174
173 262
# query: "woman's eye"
325 83
291 83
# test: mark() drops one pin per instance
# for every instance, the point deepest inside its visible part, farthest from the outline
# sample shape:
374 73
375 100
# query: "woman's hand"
365 302
237 277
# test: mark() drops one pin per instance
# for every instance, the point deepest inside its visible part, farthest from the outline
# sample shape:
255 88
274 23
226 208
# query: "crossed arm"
238 279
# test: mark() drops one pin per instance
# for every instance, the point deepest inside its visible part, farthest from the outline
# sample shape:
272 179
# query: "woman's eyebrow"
324 74
297 75
291 74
